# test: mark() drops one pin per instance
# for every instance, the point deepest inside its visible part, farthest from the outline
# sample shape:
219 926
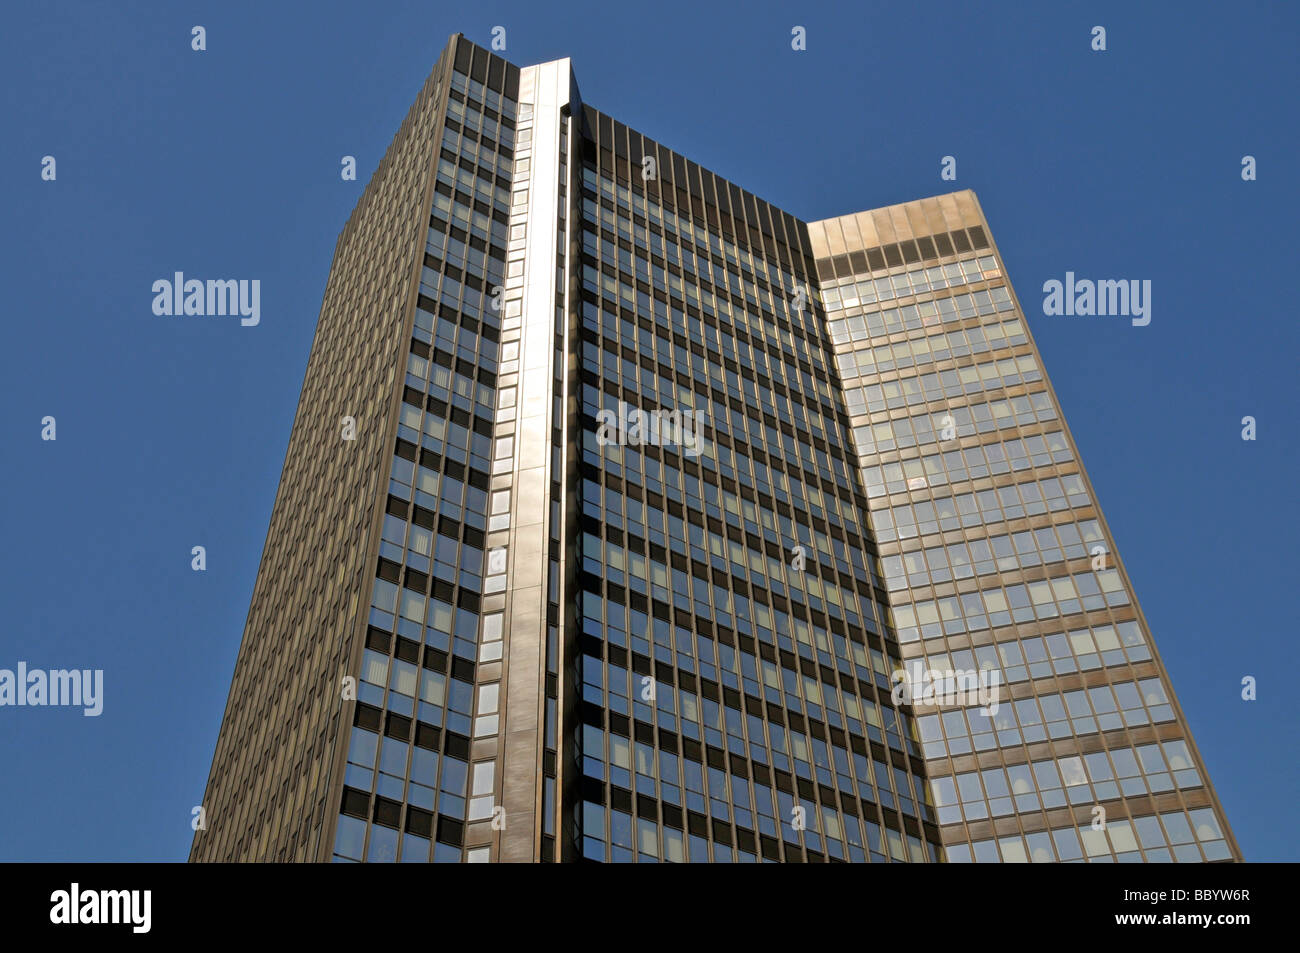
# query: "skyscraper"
628 517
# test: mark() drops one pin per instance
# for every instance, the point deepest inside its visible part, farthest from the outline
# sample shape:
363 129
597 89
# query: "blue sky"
171 434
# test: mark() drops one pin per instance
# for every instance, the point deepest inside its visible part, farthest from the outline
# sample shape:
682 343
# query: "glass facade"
690 532
997 560
429 691
735 690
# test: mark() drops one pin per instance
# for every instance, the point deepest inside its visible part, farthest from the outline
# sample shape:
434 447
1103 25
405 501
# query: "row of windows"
437 788
428 619
866 779
753 387
437 784
631 288
478 95
1167 839
715 427
713 334
787 312
805 755
780 685
1016 603
417 685
723 281
854 291
421 693
982 557
948 385
683 712
432 553
793 496
959 342
449 387
924 429
1045 656
797 497
622 295
963 510
676 227
624 567
486 264
478 224
784 531
740 670
989 459
759 360
675 586
740 808
733 424
610 835
445 495
928 316
951 384
734 667
478 182
466 151
450 294
704 496
386 844
1042 785
1032 720
486 268
476 121
775 366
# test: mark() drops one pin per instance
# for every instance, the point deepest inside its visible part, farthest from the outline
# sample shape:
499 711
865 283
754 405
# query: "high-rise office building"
618 499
